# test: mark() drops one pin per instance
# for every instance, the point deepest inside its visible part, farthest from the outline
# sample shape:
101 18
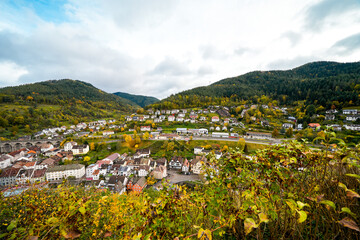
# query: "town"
65 153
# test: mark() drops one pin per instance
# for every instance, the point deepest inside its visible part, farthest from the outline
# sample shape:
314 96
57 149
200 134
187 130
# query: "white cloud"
10 73
162 47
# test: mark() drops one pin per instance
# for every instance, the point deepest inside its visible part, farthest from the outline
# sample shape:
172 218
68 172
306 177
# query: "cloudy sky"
161 47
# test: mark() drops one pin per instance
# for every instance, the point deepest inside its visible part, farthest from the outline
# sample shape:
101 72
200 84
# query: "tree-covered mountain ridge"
140 100
316 82
65 91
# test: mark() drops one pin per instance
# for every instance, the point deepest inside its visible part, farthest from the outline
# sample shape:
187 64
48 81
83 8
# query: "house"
38 176
139 185
218 154
108 133
215 119
117 184
314 125
69 145
8 176
48 163
24 176
80 149
124 171
203 131
198 150
142 153
159 172
143 171
335 127
176 162
65 171
352 118
202 118
171 118
258 135
90 170
113 157
181 131
197 164
219 135
5 161
350 111
353 127
287 125
145 128
18 154
330 117
186 167
179 119
161 162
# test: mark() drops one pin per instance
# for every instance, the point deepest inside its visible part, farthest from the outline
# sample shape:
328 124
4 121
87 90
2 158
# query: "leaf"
347 210
12 225
204 234
302 216
291 203
352 194
72 235
33 238
147 237
82 210
353 175
343 186
349 223
328 203
263 218
108 234
249 224
301 205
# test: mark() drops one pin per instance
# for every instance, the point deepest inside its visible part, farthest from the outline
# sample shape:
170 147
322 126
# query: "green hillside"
317 82
65 91
29 108
140 100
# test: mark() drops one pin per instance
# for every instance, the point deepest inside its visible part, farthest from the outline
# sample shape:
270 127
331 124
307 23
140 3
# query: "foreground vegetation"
284 192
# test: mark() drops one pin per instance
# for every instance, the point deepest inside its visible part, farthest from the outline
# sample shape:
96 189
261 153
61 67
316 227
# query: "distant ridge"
316 82
140 100
66 91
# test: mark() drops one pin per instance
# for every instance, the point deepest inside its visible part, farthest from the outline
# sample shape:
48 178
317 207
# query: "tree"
310 110
87 159
146 136
92 146
275 133
241 144
289 133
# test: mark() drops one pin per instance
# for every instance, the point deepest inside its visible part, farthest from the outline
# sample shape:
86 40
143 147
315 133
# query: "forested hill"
65 91
317 82
140 100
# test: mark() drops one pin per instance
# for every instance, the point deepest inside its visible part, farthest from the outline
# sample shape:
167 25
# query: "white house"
215 119
287 125
198 150
90 170
145 128
171 118
143 171
65 171
108 133
5 161
80 149
350 111
69 145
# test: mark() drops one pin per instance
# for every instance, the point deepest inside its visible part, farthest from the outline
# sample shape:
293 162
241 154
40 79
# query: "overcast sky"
161 47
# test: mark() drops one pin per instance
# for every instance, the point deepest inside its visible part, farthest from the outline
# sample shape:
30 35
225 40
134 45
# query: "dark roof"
114 179
39 173
9 172
141 182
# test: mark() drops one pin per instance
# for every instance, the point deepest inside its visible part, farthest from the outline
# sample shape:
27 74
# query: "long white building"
65 171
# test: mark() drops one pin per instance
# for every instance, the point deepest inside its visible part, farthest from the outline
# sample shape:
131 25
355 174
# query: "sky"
162 47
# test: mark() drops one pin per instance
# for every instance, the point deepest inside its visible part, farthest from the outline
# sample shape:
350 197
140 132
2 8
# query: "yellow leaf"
302 216
349 223
263 218
249 224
